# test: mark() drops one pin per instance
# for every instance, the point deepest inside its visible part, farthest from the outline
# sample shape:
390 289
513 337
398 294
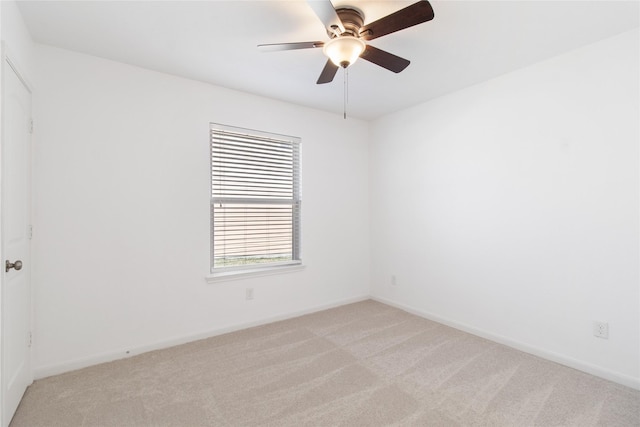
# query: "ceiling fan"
348 36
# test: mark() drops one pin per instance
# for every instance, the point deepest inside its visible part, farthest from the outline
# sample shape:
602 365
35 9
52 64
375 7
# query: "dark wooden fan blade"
328 15
289 46
384 59
412 15
328 73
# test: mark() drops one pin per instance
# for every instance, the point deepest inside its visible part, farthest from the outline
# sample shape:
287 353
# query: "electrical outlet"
249 294
394 282
601 330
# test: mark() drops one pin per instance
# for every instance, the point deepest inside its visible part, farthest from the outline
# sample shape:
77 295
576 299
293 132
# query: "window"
255 199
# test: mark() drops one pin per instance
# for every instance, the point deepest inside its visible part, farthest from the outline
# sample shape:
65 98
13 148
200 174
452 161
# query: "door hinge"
31 126
30 232
30 339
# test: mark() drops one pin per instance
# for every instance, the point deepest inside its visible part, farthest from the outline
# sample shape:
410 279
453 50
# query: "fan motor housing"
352 20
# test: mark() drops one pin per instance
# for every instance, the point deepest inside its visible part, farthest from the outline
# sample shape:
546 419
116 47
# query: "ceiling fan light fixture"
344 50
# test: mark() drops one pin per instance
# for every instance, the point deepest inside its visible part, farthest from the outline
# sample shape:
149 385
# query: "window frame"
230 272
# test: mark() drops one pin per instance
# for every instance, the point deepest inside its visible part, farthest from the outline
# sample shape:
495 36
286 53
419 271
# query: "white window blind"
255 198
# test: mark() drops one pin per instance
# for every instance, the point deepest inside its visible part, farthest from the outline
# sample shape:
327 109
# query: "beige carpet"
364 364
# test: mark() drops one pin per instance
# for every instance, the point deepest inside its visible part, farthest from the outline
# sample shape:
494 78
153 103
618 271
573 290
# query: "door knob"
9 265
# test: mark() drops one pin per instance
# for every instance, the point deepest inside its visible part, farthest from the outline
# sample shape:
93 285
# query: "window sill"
225 276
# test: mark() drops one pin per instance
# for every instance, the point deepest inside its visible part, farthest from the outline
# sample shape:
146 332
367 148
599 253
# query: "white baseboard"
56 369
545 354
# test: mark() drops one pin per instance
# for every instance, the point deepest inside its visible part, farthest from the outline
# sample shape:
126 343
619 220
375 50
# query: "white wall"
511 208
121 244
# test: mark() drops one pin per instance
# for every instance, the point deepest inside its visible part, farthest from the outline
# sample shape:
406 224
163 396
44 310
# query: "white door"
15 162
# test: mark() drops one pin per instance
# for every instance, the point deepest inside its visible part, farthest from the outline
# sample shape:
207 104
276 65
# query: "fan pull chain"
346 91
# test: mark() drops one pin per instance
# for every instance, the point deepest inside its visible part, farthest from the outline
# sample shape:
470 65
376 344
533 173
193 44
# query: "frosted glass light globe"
344 50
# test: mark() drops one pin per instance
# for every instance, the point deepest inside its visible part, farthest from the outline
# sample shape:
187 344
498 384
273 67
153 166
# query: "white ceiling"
215 41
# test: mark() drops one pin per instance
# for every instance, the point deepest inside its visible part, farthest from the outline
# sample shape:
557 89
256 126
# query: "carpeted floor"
364 364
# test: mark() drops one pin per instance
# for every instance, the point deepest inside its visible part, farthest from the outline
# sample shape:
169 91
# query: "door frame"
9 64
